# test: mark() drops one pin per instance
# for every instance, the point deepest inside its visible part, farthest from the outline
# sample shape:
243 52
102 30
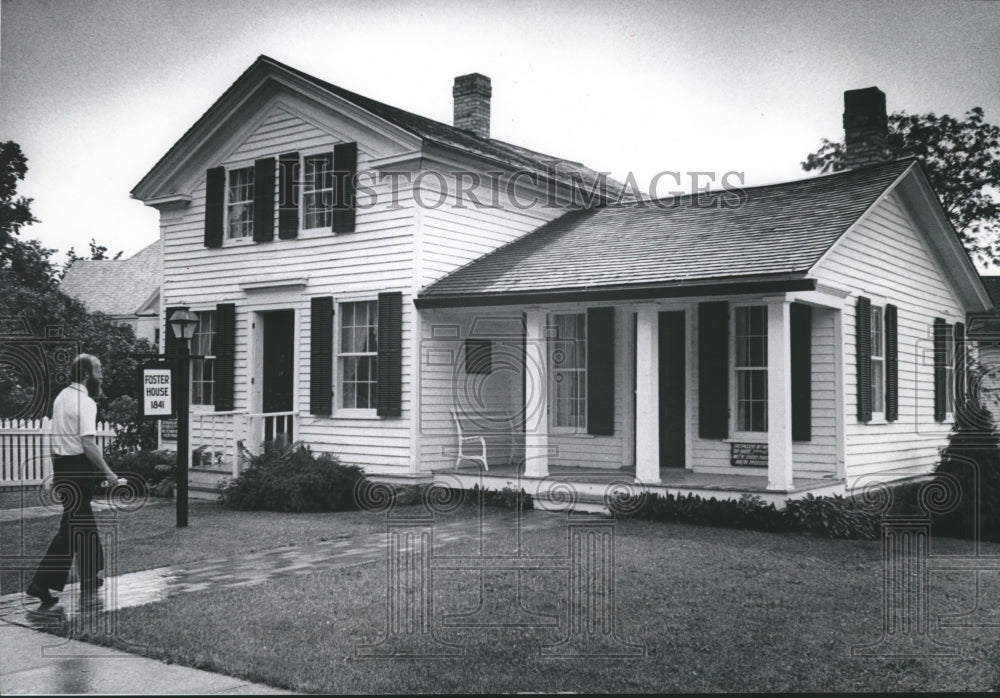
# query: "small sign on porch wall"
748 455
168 430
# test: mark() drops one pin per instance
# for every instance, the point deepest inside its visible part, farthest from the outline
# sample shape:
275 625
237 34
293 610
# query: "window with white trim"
203 370
567 357
358 355
317 191
239 204
750 368
878 360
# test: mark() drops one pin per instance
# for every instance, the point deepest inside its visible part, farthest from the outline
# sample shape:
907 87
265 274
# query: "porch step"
581 502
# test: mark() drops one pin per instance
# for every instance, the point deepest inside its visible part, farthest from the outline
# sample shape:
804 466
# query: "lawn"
714 609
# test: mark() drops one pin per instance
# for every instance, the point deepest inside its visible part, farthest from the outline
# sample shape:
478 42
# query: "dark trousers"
74 483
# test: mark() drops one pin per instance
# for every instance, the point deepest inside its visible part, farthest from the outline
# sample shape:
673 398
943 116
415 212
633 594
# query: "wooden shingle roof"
777 231
115 286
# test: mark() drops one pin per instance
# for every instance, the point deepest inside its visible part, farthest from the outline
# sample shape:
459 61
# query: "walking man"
79 467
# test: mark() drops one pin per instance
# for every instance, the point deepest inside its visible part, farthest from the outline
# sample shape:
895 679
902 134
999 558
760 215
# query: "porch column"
779 396
647 395
536 395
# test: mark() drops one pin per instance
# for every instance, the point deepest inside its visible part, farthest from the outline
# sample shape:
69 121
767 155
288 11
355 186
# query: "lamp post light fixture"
183 324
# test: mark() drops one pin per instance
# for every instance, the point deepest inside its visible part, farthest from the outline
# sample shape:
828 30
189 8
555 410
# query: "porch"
585 488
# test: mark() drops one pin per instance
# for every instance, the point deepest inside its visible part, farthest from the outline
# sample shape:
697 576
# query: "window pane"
567 357
878 385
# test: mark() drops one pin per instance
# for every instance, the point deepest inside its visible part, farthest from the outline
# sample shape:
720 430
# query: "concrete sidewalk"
34 662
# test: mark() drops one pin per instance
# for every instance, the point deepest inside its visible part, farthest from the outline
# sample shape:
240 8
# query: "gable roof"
115 286
778 232
427 130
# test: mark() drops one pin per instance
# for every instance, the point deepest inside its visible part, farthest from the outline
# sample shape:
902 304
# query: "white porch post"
779 396
536 395
647 395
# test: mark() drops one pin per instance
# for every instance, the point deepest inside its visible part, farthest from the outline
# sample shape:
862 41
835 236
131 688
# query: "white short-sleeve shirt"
74 415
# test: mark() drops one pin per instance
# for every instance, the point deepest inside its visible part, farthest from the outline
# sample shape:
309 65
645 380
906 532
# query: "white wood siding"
886 258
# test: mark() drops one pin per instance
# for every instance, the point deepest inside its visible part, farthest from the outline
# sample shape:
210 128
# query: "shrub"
131 432
834 517
149 471
293 479
970 468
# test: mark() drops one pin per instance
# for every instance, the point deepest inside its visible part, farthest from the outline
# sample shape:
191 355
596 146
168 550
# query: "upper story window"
567 352
203 370
317 191
878 360
750 367
358 355
239 204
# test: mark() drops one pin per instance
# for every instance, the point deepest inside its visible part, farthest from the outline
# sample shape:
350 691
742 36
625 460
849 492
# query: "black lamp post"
183 323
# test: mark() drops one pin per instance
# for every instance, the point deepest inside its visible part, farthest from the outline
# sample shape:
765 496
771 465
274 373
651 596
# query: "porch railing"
222 438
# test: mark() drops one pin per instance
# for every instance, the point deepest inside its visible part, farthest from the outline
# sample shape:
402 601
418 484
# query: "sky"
96 91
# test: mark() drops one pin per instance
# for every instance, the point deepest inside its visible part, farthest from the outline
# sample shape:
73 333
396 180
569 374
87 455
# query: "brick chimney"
472 94
866 127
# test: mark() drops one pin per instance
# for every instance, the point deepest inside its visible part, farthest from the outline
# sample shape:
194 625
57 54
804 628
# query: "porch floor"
675 480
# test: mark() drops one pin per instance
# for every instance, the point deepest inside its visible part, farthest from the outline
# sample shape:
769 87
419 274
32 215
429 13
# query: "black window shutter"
215 205
288 196
940 375
321 356
224 349
863 342
171 345
390 354
263 200
345 168
601 371
961 365
800 319
713 370
891 363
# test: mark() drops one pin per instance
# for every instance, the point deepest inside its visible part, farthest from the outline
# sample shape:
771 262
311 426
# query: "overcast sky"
96 91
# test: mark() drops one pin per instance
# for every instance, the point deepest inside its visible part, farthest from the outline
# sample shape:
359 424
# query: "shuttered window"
891 363
877 359
240 203
215 206
961 367
345 165
390 354
224 350
263 202
750 366
321 355
288 196
863 354
601 371
940 370
713 370
949 369
800 317
203 370
317 191
567 359
358 355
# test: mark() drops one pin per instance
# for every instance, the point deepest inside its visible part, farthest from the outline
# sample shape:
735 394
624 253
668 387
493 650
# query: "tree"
22 262
962 161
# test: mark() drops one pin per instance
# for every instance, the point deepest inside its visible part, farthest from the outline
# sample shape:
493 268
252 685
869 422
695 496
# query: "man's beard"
93 388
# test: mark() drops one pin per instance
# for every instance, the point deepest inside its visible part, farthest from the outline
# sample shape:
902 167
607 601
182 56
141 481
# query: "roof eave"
681 289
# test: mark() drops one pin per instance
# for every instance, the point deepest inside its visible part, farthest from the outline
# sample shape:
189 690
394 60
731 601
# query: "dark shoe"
41 594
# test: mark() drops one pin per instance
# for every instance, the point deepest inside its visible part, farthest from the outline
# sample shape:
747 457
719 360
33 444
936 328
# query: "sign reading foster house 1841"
748 455
155 383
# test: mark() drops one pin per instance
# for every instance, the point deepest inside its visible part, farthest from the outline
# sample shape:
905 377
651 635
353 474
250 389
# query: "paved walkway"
38 662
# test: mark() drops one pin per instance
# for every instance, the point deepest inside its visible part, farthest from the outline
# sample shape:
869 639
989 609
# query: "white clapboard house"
434 304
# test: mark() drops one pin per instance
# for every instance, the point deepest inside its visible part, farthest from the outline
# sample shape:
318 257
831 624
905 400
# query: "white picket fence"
24 449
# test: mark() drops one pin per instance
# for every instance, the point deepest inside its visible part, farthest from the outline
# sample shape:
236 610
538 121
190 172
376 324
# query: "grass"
716 610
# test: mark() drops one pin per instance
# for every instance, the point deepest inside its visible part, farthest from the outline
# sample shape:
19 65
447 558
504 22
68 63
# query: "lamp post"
183 324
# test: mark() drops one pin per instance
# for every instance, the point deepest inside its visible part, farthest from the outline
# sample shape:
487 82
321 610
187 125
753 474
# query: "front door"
672 390
277 373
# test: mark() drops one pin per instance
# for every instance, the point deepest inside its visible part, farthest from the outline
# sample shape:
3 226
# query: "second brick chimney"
866 127
472 94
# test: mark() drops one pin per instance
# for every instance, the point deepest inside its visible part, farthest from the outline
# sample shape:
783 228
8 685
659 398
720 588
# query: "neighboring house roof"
776 234
992 284
115 286
428 130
